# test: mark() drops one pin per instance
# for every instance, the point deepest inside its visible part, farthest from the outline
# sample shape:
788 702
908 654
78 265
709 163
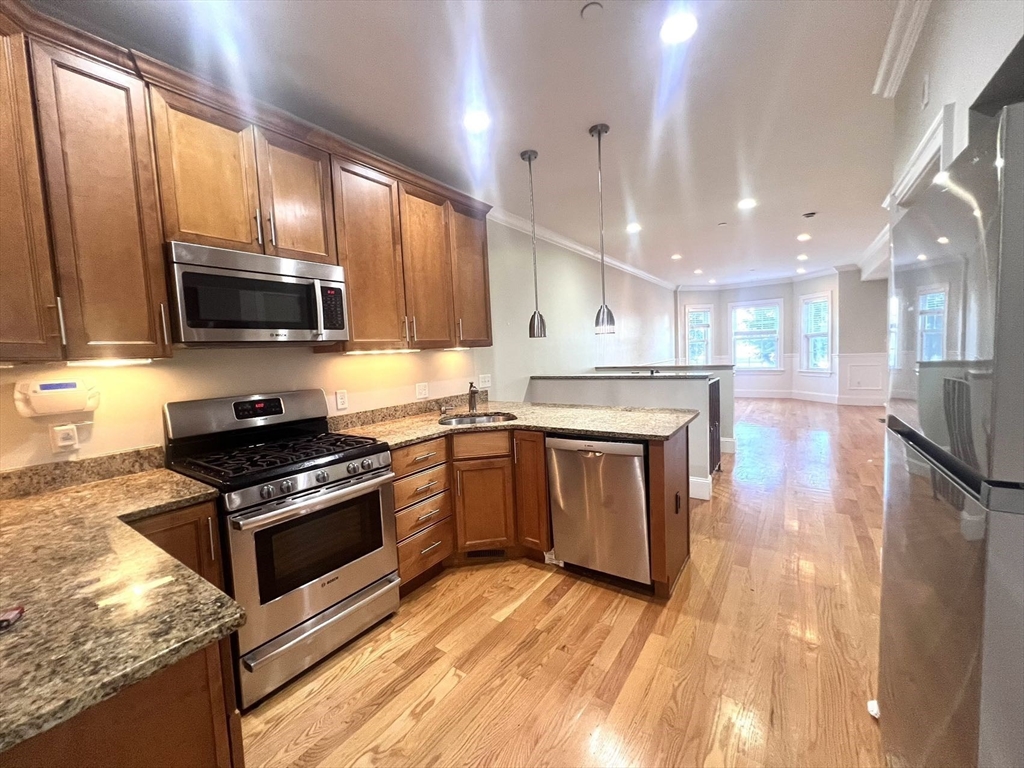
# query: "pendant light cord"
533 226
600 196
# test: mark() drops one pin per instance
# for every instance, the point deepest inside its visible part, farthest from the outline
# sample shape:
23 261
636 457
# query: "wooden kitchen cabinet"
484 504
533 512
206 162
370 249
295 198
470 282
97 162
426 247
28 301
190 535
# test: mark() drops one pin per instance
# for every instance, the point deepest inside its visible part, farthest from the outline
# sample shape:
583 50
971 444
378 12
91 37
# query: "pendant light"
538 328
605 320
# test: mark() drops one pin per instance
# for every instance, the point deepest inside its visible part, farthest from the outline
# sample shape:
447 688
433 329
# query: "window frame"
710 309
779 304
805 337
924 290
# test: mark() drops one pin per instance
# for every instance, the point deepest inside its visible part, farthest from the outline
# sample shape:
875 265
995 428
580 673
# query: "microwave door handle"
244 522
319 309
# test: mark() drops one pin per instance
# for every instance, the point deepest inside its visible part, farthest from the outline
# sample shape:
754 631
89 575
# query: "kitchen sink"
463 419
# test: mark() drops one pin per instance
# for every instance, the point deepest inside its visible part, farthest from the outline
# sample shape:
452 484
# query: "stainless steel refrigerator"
951 651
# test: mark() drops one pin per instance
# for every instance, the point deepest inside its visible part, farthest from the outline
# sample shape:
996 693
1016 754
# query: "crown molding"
501 216
907 23
934 145
759 283
874 262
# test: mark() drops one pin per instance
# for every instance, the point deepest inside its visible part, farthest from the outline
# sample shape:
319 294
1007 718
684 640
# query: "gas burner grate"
226 465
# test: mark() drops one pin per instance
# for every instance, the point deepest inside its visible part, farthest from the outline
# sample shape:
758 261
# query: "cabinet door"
98 166
427 262
370 250
533 515
28 304
470 284
189 535
295 195
484 504
206 162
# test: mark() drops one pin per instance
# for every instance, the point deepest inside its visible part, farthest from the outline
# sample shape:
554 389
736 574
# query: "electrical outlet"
485 380
341 399
63 437
422 391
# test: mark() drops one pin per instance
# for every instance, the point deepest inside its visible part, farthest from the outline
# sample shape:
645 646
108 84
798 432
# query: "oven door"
224 305
293 560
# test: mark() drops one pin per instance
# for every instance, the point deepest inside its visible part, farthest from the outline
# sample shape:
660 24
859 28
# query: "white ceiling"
769 99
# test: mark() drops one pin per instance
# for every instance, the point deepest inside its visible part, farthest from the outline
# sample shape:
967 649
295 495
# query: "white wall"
570 294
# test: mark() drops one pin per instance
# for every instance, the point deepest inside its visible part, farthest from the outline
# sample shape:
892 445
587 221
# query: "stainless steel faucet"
473 393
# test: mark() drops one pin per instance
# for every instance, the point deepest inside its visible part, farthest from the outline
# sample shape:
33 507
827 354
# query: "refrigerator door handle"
936 467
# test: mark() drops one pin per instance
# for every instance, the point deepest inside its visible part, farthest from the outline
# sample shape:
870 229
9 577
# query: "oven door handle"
306 507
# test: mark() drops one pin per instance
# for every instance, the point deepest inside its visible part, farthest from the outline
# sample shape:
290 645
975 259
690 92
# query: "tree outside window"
755 335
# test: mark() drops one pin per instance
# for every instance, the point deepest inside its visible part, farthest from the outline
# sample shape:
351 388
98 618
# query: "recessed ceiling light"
676 256
712 281
476 120
943 240
977 212
803 238
942 177
922 257
698 271
678 28
800 270
746 204
1000 162
633 227
802 257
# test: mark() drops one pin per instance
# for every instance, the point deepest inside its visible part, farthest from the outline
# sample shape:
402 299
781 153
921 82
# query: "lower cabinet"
425 549
533 511
189 535
484 504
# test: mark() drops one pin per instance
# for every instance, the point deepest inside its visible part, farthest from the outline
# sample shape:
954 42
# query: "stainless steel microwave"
229 297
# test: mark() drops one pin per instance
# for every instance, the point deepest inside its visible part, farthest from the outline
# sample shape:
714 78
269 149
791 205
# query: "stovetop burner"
257 459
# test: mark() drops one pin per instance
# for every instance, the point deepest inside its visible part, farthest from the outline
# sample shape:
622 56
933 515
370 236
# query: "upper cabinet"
97 161
228 184
29 328
470 285
426 248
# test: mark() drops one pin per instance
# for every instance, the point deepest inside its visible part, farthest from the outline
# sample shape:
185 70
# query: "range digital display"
255 409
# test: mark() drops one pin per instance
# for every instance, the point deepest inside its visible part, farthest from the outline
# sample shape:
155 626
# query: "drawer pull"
425 487
427 516
425 456
435 545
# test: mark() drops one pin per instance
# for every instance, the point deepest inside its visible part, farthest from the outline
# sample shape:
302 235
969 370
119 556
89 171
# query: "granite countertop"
645 374
593 421
104 607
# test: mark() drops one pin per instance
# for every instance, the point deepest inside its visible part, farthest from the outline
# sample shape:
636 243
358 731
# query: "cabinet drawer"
413 458
473 444
420 486
426 548
420 516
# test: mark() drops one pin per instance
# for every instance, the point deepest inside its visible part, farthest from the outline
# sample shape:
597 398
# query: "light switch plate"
341 399
63 437
422 390
485 380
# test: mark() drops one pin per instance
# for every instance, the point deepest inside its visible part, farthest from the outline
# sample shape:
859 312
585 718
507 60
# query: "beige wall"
570 294
862 313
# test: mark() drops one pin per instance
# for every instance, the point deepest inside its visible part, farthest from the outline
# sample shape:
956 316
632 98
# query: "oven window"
301 551
220 301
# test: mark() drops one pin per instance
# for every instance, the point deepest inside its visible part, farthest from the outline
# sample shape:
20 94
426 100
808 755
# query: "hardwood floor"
766 654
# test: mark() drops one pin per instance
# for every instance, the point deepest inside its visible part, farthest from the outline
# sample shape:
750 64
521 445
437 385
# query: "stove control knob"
367 464
287 486
266 492
352 468
322 476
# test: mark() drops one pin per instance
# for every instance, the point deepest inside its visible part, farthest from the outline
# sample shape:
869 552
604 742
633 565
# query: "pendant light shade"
538 328
605 320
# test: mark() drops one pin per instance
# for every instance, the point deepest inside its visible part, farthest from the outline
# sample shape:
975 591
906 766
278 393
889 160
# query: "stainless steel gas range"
308 520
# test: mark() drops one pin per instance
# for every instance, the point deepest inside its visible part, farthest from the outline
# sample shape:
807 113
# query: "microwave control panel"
334 307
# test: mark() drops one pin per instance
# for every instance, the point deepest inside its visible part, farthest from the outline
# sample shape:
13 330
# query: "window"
931 324
756 342
698 334
816 340
895 301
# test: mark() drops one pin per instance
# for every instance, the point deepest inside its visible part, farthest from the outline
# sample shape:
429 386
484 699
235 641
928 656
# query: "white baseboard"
728 445
876 399
815 397
700 487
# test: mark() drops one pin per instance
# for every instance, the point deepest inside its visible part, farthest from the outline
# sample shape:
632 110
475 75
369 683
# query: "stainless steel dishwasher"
599 506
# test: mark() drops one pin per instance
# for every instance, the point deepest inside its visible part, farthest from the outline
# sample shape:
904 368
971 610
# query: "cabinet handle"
405 327
435 545
273 229
458 482
427 516
515 451
414 336
460 329
163 324
679 502
213 551
60 321
424 487
259 227
425 456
